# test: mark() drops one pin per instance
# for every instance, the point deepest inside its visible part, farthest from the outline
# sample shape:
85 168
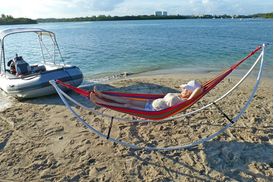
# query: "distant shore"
152 17
10 20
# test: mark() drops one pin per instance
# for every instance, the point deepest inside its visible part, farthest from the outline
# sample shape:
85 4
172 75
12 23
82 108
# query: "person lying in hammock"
189 91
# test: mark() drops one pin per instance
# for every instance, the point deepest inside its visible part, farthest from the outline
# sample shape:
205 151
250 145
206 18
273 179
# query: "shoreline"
109 77
8 101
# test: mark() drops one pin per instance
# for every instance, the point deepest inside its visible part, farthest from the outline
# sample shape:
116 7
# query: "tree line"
151 17
264 15
9 20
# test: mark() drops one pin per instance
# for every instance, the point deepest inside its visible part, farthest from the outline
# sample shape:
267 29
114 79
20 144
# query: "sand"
40 140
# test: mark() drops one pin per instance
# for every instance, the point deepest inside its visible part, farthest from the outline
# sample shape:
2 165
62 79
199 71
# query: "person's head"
185 93
188 88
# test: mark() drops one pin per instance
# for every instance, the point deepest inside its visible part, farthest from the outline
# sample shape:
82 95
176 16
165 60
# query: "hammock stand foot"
223 113
109 128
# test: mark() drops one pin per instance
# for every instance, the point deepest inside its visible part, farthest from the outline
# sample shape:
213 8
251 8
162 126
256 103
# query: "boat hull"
38 85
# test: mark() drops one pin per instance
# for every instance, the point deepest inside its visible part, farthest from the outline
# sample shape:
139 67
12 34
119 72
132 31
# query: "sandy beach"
40 140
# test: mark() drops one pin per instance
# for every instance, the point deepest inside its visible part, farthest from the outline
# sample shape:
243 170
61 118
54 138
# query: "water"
109 48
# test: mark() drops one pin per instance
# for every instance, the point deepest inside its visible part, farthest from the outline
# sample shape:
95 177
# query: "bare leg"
122 100
96 99
114 98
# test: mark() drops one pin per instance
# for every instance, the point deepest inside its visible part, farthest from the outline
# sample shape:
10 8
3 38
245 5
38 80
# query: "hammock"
165 113
64 97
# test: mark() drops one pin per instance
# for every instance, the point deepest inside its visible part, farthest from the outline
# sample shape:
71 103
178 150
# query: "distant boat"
21 80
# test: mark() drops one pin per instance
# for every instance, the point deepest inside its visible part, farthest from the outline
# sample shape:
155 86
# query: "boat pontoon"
22 80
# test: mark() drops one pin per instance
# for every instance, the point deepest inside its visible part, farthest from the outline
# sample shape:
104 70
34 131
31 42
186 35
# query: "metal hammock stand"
66 97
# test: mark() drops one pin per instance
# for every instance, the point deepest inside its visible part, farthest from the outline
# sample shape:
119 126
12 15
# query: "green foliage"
151 17
264 15
9 20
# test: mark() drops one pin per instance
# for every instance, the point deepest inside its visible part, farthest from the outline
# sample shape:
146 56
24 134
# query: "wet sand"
40 140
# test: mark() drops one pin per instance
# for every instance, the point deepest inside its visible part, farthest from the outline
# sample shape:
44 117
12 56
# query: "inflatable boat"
20 79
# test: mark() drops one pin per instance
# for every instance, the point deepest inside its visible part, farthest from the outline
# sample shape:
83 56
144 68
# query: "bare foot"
93 98
97 93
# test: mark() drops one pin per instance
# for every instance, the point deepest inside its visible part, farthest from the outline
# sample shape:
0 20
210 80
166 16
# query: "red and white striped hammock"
165 113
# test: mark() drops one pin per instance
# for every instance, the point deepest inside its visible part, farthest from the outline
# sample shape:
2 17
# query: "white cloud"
106 5
32 8
76 8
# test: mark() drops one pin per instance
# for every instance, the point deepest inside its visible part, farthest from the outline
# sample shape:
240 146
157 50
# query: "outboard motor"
21 66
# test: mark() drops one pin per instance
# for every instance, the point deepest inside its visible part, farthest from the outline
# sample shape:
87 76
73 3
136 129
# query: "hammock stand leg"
223 113
109 128
133 123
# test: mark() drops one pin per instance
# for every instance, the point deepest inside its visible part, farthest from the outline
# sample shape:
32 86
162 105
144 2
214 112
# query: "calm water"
107 48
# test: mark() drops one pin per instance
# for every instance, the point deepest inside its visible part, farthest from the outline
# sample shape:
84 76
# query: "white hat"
191 85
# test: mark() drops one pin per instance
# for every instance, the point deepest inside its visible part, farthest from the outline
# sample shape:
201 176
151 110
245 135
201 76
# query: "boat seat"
21 66
38 69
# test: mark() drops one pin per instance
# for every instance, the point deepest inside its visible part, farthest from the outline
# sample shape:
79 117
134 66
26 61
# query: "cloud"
32 8
76 8
106 5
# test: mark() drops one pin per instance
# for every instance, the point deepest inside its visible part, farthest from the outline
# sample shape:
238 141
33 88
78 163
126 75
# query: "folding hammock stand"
64 98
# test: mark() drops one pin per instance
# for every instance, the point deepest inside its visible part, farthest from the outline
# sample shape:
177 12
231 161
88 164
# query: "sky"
78 8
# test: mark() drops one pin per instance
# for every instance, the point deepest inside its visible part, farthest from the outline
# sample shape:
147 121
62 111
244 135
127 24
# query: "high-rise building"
158 13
